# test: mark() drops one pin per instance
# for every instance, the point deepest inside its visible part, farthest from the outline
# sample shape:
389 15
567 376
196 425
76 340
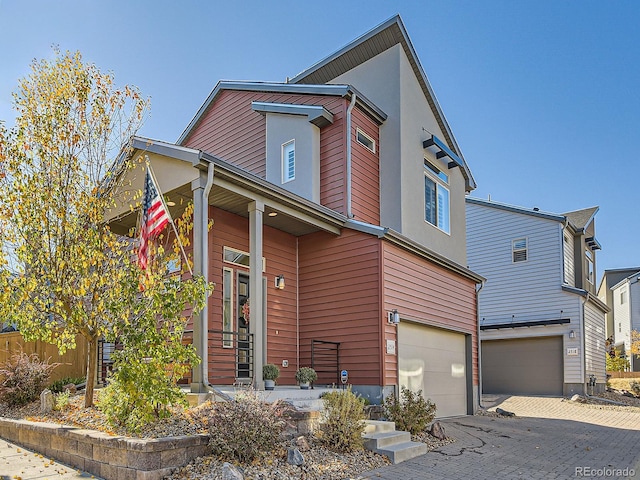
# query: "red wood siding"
428 293
333 160
279 249
340 300
365 176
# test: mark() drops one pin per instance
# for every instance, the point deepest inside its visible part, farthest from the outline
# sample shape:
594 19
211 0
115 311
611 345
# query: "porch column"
256 327
200 324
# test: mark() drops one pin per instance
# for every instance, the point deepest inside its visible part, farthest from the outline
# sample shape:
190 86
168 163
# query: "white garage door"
434 361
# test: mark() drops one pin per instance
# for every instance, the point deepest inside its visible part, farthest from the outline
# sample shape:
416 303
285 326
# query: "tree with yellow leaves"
62 167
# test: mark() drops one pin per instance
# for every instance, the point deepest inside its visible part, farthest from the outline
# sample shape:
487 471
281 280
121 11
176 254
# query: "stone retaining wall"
110 457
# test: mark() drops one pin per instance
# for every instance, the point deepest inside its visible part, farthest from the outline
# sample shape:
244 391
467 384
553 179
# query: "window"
227 307
519 250
366 140
590 272
436 198
238 257
288 161
623 297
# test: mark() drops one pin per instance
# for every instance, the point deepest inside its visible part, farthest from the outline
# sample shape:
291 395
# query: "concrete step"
400 452
378 440
307 403
375 426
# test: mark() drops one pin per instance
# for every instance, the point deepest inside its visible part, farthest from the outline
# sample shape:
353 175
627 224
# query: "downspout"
205 271
351 105
479 344
584 345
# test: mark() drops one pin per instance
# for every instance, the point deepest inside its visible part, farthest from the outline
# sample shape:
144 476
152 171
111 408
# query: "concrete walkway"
19 463
549 438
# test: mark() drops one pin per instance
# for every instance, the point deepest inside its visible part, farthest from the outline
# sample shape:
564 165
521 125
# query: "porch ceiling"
227 195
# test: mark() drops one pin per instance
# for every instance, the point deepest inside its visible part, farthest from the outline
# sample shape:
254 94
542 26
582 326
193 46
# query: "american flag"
154 218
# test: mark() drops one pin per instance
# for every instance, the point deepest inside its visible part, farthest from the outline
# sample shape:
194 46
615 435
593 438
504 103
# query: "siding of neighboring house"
594 342
528 290
279 250
427 294
622 311
340 300
569 260
365 171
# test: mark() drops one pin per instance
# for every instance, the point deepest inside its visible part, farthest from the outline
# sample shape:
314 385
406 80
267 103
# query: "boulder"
46 401
230 472
437 431
505 413
294 457
302 443
71 388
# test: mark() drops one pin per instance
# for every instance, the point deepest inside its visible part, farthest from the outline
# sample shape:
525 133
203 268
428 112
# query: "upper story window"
436 197
288 161
623 297
366 140
590 267
520 250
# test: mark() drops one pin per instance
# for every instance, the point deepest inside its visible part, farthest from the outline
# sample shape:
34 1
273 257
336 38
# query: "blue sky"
542 96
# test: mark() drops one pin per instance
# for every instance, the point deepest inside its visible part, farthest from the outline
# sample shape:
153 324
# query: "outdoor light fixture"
170 203
273 214
279 283
394 317
572 334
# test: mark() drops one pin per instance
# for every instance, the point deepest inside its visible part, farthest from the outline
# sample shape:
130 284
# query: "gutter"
478 288
205 270
351 105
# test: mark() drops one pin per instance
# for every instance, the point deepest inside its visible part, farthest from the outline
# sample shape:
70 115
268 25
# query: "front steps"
382 437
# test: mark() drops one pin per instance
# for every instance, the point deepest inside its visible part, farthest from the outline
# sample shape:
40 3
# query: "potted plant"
270 374
306 375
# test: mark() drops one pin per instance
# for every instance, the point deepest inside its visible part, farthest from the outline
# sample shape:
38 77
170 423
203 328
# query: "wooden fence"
624 374
72 364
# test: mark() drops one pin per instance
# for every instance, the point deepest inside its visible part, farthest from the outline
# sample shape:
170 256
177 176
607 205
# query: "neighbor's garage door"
434 361
523 366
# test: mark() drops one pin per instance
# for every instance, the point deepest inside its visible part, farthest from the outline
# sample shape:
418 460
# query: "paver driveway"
549 438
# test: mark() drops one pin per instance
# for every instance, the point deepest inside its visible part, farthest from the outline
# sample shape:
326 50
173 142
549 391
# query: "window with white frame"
238 257
590 267
288 161
436 197
227 307
623 297
519 250
366 140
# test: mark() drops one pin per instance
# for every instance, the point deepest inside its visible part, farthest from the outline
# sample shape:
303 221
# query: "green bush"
62 400
617 364
343 421
412 413
58 385
23 378
635 388
245 428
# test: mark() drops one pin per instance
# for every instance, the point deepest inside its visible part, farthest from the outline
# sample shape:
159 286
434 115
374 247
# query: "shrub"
24 377
62 400
412 413
58 385
306 375
343 421
635 388
270 371
617 364
245 428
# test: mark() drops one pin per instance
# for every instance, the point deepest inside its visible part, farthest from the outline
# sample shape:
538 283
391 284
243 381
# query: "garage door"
434 361
523 366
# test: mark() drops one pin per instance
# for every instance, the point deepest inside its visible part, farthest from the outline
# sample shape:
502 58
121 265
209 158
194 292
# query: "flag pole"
175 230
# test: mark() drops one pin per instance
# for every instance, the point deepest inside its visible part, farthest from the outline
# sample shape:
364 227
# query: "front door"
243 358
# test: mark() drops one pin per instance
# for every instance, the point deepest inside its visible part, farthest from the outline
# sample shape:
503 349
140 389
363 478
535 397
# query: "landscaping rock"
505 413
578 398
46 401
294 457
437 431
71 387
230 472
302 443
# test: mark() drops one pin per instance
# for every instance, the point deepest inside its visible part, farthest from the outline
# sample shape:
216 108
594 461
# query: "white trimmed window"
238 257
366 140
227 307
590 266
288 161
623 297
436 197
519 249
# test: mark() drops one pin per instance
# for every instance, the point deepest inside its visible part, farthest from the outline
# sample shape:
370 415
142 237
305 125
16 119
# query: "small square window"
519 250
366 140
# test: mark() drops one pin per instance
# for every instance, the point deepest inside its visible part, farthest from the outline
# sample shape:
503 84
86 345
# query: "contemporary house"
542 327
620 289
337 203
